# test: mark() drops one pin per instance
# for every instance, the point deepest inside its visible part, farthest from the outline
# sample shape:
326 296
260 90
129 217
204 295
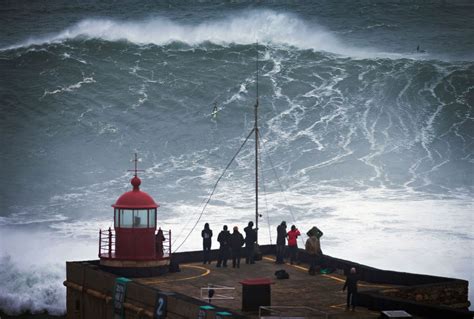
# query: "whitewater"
362 135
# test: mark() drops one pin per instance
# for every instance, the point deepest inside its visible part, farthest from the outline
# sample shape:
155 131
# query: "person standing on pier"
236 243
206 235
223 239
351 285
292 243
250 239
280 244
313 248
159 239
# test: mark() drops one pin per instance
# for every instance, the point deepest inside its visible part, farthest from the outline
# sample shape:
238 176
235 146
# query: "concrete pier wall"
90 294
90 291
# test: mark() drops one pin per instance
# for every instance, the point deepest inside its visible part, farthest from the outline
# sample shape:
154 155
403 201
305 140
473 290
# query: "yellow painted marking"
329 276
342 305
205 273
334 277
375 286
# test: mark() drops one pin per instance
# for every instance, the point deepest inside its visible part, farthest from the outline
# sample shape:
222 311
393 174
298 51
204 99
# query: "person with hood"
206 235
250 239
313 248
280 243
292 243
351 285
236 243
224 241
159 239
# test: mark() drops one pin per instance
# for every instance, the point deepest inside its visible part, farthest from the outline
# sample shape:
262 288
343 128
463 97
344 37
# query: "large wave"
247 27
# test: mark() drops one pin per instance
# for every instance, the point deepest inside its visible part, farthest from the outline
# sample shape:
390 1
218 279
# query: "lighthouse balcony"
134 251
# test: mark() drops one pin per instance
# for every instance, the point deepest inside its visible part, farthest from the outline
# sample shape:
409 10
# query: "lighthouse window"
152 218
116 215
126 218
140 218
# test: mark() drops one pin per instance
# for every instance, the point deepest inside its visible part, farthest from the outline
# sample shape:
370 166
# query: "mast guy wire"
214 189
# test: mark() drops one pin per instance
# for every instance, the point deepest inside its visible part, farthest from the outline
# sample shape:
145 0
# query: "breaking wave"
266 26
34 289
33 270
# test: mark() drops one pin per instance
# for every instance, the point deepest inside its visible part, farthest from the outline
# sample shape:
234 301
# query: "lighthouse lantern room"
133 242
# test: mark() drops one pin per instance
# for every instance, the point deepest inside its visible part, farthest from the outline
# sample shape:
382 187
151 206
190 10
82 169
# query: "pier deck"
91 290
322 292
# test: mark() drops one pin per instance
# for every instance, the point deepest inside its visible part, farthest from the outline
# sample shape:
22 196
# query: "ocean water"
361 134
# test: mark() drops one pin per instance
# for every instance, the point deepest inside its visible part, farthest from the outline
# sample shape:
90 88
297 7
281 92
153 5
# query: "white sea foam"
33 269
30 219
266 26
71 87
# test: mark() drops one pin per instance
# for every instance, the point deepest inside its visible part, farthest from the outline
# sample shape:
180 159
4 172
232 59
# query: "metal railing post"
100 241
110 242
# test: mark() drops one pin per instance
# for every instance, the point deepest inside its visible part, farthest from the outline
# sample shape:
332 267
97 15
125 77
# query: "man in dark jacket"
236 243
280 244
223 239
250 239
351 285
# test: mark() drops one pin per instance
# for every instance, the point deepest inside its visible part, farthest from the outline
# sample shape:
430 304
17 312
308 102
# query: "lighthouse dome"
135 199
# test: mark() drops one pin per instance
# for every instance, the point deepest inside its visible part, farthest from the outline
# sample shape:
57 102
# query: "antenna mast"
256 150
136 170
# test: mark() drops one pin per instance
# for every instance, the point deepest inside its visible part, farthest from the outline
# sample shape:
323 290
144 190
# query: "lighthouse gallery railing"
107 243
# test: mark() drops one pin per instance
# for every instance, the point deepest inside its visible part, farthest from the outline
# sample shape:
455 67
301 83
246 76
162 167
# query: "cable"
281 186
178 237
214 189
265 196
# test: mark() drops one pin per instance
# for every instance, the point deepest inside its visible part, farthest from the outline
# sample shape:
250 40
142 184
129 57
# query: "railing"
167 244
213 291
106 243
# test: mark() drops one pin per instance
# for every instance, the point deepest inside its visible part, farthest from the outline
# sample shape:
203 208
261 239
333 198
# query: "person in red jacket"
292 243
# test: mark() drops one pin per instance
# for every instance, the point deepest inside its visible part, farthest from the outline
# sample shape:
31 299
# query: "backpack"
282 274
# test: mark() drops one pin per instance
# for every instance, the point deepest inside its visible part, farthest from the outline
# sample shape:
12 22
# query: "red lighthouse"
133 242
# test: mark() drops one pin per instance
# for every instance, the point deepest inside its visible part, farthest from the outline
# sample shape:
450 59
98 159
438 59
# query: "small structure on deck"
132 248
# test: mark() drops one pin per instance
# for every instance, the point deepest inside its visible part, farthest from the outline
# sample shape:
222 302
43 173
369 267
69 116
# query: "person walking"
280 244
223 239
250 239
313 248
206 235
292 243
351 285
236 243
